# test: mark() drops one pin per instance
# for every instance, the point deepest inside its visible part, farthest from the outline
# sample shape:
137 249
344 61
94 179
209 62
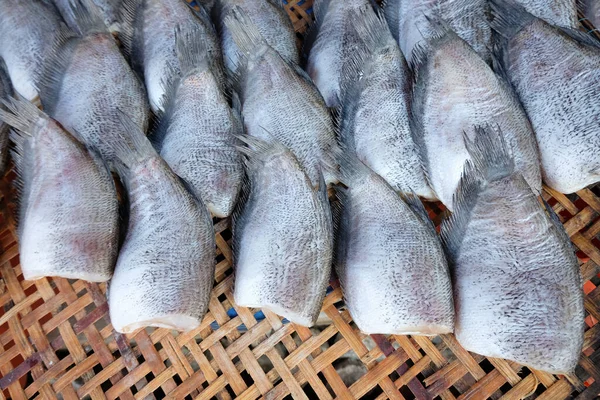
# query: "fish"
109 10
388 257
414 21
591 11
269 88
375 112
282 235
455 90
6 92
556 12
196 133
86 80
68 211
271 20
335 41
555 95
517 287
166 266
28 31
150 41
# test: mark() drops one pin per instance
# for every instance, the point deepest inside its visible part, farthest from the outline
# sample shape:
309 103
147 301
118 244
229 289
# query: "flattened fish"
282 234
376 109
68 214
269 88
517 289
389 259
195 135
28 30
86 80
272 22
455 90
166 267
555 72
6 91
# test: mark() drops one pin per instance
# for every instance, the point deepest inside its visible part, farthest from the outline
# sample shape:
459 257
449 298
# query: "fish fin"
509 17
52 70
5 82
244 32
132 33
259 149
441 31
236 111
416 122
238 219
131 146
21 114
202 14
351 169
418 208
319 9
24 170
391 12
489 153
586 38
556 222
301 72
88 18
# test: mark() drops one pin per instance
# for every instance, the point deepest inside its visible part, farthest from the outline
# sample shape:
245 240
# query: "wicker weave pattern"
56 339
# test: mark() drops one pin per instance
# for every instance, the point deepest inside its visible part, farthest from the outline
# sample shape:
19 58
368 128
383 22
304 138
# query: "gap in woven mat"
265 363
455 392
486 365
329 389
177 379
159 394
247 378
231 392
372 394
309 391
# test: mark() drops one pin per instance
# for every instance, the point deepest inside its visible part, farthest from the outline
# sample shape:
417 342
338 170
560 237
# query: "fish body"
336 41
556 12
282 234
375 113
6 91
151 41
68 212
271 20
86 80
28 30
109 10
165 270
269 88
517 288
591 10
455 91
390 262
555 95
195 135
413 21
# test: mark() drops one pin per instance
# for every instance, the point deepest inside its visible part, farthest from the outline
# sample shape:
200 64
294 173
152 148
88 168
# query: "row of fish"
396 136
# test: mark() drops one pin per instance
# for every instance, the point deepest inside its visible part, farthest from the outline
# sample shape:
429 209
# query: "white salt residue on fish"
165 270
68 211
282 233
517 288
556 73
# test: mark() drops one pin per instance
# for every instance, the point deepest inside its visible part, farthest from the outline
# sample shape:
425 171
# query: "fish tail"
21 115
351 169
132 145
88 18
245 33
191 50
129 14
509 17
391 11
490 154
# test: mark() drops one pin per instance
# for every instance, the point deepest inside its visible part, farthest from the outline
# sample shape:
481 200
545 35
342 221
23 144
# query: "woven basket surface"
56 340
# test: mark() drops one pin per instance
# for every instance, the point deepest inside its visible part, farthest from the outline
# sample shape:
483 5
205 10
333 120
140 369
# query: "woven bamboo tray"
56 340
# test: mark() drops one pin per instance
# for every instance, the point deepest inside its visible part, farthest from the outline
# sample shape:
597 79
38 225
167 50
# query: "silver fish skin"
151 42
6 91
389 259
456 90
591 10
517 288
166 266
375 114
282 233
556 12
336 41
271 20
86 80
195 135
555 95
68 211
109 10
269 88
412 21
28 30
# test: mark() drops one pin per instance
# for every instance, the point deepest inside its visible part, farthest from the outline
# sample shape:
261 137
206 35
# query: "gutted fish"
6 91
412 21
376 106
109 10
86 80
28 30
455 90
150 43
556 12
555 72
282 234
165 270
335 43
195 135
276 95
68 214
517 288
389 259
271 20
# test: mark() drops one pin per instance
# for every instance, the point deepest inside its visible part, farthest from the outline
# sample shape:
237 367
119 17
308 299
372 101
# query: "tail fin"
490 153
132 145
509 17
88 17
21 114
191 50
245 33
